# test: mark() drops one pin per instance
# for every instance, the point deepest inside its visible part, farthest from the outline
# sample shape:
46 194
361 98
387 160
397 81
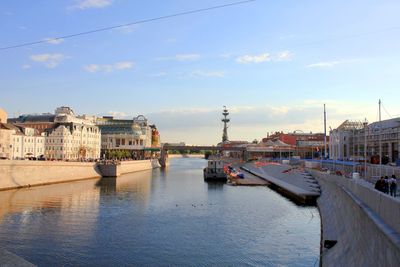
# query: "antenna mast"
225 120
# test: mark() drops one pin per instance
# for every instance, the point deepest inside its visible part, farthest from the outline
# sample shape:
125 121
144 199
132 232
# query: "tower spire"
225 120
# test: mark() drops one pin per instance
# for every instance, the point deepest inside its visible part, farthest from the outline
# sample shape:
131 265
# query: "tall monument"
225 120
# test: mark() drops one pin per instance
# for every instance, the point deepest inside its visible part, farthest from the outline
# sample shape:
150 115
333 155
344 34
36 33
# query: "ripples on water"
158 218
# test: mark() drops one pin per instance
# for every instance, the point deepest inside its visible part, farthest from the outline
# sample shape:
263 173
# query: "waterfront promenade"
291 181
360 225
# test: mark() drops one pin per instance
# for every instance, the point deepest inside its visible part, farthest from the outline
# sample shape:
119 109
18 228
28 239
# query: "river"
165 217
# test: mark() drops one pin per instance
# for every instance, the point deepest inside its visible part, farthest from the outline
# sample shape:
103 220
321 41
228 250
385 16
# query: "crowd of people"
387 185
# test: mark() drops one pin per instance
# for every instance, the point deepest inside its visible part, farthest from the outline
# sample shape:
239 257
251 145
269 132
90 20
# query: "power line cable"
126 24
390 116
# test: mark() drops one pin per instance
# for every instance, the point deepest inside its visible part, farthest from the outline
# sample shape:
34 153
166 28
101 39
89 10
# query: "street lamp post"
365 148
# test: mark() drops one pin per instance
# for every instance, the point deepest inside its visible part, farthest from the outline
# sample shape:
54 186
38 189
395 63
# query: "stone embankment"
116 169
290 181
360 226
18 174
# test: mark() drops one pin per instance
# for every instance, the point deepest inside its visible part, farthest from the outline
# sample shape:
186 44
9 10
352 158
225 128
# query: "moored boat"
215 171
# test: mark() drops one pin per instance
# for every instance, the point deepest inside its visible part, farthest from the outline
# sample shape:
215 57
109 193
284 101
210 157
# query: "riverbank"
360 226
289 181
19 174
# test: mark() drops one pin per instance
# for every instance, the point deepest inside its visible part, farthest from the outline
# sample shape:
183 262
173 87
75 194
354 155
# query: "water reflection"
215 185
107 185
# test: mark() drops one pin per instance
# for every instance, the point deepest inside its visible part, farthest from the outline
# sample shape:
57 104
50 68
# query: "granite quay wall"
138 165
119 168
17 174
364 222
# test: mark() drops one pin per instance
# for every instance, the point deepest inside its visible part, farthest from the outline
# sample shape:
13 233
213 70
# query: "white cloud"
284 56
201 73
49 60
26 66
265 57
85 4
123 65
54 41
246 59
117 114
326 64
92 68
181 57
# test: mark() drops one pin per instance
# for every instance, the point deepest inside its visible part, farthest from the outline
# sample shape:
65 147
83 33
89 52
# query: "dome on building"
136 129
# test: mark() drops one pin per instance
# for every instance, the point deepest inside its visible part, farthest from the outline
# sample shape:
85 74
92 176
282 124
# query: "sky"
272 63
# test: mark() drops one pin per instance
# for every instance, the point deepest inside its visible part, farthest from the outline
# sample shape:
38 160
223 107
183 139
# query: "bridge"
197 148
165 148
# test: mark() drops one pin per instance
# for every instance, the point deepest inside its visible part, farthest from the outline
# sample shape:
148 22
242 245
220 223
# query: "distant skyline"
273 64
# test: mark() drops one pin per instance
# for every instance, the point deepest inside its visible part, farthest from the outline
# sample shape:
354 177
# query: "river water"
158 218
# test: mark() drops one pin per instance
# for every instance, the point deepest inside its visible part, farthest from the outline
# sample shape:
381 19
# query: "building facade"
134 136
5 141
18 142
27 143
305 145
357 140
72 137
3 116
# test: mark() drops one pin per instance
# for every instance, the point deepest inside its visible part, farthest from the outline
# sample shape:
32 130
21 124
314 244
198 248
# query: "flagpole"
325 152
380 139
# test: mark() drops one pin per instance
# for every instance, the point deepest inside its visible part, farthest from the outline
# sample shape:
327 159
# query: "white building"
20 142
72 137
353 140
134 136
5 141
27 143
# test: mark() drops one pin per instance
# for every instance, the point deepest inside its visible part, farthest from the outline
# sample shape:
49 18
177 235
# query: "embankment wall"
137 165
17 174
361 220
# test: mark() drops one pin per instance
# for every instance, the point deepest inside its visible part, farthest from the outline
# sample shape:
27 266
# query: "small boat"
215 171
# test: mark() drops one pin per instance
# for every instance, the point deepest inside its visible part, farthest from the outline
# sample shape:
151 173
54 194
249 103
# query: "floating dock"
292 182
249 180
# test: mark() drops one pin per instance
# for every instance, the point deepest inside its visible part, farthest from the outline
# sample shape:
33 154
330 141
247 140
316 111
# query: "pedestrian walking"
380 184
386 186
393 186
